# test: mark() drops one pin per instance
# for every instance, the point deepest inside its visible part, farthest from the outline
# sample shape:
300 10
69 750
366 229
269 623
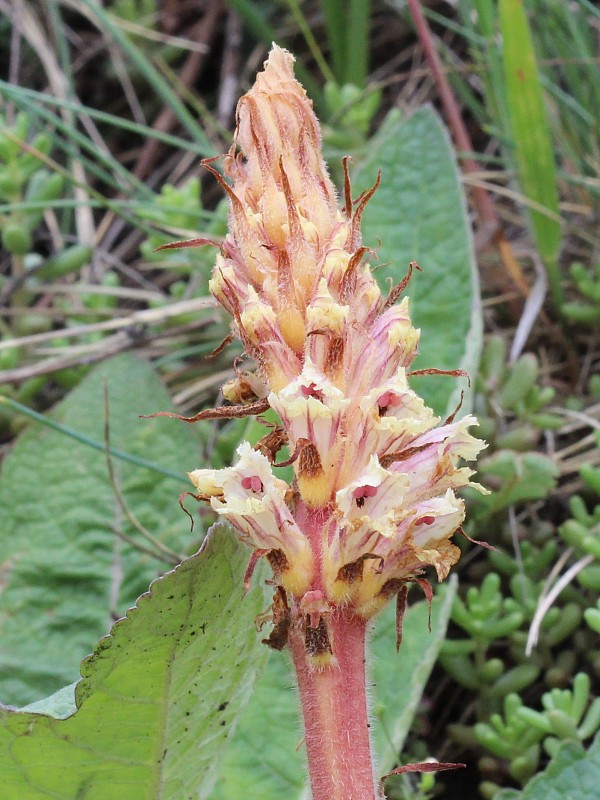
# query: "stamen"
253 483
312 391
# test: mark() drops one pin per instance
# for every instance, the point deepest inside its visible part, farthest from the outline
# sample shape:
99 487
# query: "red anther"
385 400
428 520
312 391
364 491
252 482
388 398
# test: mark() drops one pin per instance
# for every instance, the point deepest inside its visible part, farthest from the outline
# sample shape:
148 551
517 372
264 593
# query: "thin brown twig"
128 339
202 32
229 77
483 203
490 226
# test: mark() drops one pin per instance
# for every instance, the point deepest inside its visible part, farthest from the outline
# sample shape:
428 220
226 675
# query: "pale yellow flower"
373 500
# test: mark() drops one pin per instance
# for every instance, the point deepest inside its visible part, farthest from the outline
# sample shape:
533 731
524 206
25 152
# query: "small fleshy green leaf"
158 697
515 477
266 760
419 213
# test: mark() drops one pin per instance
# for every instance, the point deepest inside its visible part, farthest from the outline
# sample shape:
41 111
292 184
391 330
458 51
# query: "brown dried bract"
309 461
453 373
401 455
282 620
401 601
353 571
397 290
272 443
317 640
222 412
278 562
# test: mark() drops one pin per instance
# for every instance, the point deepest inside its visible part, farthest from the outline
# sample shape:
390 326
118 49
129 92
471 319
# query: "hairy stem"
334 708
333 695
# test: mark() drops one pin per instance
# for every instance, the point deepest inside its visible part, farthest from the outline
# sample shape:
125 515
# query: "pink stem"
334 707
333 697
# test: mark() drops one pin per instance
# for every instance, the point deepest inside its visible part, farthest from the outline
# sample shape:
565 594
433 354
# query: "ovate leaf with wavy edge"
266 759
64 572
419 213
158 698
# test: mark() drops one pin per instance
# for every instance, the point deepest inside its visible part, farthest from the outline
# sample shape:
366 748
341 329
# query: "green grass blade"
333 11
17 93
357 42
310 40
162 88
71 138
87 440
531 136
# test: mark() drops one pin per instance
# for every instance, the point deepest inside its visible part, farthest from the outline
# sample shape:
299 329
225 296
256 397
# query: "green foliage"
177 212
158 698
263 766
573 773
350 113
516 737
538 97
587 282
509 400
514 478
66 569
24 181
493 663
582 531
419 213
488 618
511 405
347 26
134 10
565 42
592 617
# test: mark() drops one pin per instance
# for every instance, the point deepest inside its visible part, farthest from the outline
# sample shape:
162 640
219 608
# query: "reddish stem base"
334 708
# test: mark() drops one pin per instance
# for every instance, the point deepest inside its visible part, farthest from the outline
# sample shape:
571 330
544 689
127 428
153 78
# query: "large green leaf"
573 774
400 678
65 575
158 697
419 213
266 759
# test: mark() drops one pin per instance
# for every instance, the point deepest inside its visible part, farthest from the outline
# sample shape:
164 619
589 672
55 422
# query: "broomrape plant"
373 500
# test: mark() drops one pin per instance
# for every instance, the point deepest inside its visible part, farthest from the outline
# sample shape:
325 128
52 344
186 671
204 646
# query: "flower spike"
333 357
373 501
